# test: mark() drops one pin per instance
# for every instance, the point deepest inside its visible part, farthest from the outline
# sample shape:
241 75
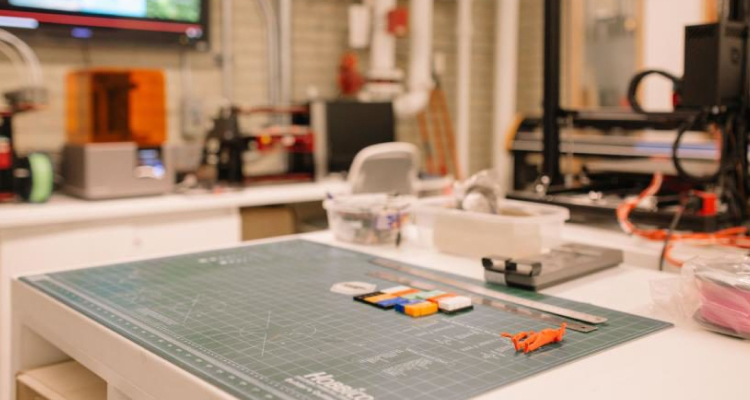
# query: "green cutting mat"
260 322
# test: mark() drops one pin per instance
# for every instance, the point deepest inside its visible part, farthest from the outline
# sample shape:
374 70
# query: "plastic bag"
481 193
712 292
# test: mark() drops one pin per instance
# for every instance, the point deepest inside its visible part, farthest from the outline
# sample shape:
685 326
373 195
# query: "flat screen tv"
176 21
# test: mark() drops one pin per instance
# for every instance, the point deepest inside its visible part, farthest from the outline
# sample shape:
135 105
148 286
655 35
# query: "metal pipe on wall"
464 33
383 48
552 29
227 50
272 50
285 58
506 81
420 82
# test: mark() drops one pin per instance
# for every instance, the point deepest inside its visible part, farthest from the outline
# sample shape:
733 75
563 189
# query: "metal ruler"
533 314
483 291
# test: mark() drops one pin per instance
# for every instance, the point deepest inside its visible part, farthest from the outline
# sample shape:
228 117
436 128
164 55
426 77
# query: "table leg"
30 351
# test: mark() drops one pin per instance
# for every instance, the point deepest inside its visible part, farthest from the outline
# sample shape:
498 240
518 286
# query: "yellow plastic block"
421 309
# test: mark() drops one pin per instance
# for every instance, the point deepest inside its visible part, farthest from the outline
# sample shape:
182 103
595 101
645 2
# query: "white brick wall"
531 57
482 84
319 39
480 150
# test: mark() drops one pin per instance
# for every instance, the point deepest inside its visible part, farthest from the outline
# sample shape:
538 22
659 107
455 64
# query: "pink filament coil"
725 305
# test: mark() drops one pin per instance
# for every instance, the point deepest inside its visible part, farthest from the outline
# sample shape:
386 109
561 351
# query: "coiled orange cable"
731 237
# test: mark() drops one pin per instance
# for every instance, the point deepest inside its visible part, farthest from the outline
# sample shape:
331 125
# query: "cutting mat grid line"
252 319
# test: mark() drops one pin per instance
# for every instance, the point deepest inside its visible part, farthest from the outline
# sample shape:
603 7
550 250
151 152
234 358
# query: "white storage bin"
521 229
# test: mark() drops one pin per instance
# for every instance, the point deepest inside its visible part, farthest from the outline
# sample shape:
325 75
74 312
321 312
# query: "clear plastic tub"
368 218
521 229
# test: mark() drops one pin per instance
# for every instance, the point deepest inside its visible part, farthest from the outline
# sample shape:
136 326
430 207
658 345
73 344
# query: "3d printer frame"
733 115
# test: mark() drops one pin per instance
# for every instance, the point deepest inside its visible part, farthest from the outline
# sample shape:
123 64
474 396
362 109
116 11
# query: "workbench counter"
65 209
682 362
67 232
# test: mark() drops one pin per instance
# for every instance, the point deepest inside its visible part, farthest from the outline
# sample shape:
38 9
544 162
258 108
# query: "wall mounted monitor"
168 21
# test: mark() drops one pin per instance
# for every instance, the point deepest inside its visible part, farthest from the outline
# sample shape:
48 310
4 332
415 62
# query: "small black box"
714 55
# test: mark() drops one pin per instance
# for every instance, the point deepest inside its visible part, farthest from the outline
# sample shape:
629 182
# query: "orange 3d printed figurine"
535 341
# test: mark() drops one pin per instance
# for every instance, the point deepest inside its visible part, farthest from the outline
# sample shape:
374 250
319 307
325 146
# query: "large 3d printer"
699 187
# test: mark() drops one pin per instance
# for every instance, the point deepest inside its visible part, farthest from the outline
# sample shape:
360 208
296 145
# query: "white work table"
67 233
678 363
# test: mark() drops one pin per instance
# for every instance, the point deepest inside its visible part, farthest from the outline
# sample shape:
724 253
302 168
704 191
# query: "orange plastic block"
436 299
421 309
535 341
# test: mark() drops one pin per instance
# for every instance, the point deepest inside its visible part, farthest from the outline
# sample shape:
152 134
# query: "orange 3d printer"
116 132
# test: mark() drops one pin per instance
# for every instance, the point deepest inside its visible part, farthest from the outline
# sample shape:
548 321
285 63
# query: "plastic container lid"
517 212
368 218
521 229
369 203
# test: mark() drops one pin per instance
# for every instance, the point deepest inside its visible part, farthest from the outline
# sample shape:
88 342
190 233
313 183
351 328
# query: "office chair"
385 168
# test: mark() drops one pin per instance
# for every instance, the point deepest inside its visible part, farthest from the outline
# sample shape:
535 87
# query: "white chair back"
385 168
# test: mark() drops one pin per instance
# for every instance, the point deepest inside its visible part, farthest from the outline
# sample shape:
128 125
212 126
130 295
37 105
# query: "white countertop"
65 209
683 362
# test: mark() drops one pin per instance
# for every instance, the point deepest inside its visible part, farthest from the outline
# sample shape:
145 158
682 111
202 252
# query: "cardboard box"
267 222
